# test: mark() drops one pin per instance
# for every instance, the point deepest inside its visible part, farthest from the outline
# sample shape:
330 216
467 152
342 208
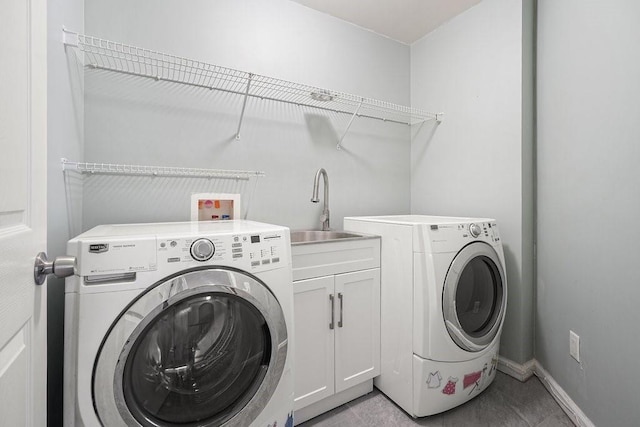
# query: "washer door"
475 297
203 348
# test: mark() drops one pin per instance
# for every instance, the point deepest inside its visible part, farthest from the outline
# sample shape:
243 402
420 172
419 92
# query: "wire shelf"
139 170
118 57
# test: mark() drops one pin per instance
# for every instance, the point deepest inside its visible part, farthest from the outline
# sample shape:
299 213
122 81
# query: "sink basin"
316 253
314 236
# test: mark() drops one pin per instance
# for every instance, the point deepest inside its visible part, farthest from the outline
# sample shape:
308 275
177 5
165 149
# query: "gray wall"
131 120
589 204
477 68
104 117
65 135
478 162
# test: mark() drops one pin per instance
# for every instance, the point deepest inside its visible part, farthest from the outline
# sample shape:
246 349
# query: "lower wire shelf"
141 170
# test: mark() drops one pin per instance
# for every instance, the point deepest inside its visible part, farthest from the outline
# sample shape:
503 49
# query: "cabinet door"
313 340
357 327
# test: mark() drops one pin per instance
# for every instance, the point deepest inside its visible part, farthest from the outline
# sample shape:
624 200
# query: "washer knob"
202 249
475 230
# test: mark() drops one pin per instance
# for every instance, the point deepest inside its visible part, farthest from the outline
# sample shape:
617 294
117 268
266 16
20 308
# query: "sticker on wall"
434 380
215 206
450 388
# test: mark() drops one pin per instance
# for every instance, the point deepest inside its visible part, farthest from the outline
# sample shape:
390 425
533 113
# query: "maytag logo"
99 248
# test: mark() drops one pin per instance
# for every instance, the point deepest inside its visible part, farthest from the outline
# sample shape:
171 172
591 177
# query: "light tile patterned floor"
507 402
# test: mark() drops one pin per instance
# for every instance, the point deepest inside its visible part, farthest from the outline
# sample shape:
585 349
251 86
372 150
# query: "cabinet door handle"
333 311
341 301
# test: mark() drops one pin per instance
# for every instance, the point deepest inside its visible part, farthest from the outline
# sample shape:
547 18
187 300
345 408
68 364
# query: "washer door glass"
203 348
202 358
474 297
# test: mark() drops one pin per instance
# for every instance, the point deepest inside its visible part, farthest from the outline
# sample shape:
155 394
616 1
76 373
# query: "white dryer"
179 324
443 299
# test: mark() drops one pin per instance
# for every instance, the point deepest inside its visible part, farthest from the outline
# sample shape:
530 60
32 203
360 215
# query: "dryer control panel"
483 230
449 237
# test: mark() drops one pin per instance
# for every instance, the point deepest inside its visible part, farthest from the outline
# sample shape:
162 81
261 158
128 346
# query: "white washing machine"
179 324
443 299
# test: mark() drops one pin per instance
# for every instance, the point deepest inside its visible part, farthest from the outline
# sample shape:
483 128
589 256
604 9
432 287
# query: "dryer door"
475 297
203 348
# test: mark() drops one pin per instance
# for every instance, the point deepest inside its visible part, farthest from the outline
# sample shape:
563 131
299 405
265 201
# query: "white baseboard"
523 372
328 403
516 370
566 403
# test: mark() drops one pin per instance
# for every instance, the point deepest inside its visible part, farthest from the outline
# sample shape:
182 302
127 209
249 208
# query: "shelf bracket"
69 38
67 165
353 117
244 104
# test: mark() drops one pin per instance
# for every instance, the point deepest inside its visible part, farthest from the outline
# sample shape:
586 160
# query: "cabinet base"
331 402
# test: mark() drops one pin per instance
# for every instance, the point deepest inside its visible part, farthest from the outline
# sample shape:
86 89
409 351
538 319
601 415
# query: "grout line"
521 415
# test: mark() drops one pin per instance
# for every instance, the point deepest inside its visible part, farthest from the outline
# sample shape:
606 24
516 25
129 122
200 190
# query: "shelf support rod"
339 146
244 105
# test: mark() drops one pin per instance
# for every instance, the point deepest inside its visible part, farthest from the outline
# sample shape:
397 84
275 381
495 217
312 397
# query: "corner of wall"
522 372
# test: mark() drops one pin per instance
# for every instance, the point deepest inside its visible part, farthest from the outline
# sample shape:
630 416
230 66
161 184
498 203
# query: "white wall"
131 120
589 203
478 161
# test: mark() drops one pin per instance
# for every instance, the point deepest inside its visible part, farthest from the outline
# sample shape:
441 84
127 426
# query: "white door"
23 128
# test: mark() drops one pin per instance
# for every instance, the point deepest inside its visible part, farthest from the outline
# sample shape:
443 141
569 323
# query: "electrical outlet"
574 345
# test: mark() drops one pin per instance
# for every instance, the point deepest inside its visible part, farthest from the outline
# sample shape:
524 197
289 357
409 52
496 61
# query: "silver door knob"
62 266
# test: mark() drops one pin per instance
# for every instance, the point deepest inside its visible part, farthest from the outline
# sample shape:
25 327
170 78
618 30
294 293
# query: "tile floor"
507 402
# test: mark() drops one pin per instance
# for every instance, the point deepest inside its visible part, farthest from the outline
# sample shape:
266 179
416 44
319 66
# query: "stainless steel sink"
316 236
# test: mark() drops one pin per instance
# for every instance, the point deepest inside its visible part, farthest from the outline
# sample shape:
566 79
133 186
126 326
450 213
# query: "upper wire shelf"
139 170
122 58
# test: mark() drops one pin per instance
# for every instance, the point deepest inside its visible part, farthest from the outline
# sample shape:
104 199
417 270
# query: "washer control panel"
252 251
202 249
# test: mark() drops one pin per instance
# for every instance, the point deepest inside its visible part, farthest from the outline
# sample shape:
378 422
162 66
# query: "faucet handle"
324 219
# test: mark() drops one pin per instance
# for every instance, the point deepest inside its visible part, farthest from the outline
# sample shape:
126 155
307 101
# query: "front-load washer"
183 324
443 301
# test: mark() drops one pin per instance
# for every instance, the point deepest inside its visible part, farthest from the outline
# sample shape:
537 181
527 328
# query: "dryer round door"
475 296
206 347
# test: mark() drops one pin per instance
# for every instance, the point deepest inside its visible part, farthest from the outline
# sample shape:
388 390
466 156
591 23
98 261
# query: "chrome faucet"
314 197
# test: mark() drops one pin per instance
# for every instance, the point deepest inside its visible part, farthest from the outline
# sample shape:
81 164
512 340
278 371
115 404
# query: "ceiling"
402 20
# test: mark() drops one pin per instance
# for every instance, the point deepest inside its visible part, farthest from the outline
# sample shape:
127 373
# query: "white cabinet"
336 337
337 334
357 332
314 362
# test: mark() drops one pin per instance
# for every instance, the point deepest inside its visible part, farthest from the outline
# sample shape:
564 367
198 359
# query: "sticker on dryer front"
434 380
474 379
288 423
494 364
450 388
471 379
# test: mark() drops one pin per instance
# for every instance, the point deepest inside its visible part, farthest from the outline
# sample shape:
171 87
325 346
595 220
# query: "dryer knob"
475 230
202 249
